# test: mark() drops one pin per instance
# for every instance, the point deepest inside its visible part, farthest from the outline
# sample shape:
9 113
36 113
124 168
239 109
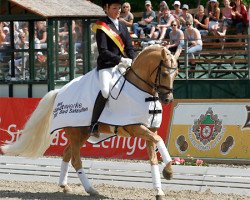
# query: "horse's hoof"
66 189
168 171
92 191
160 197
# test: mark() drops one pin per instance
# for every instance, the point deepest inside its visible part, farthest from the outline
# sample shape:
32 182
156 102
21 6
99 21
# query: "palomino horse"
153 72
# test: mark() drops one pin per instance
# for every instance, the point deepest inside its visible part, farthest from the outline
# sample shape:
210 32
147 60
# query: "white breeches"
105 76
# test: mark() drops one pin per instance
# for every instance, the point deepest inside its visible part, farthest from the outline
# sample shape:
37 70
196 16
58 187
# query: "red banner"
14 112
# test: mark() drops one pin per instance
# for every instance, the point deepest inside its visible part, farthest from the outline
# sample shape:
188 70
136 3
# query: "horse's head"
164 75
155 69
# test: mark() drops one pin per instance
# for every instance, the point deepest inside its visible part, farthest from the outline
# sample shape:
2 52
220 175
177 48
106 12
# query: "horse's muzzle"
166 98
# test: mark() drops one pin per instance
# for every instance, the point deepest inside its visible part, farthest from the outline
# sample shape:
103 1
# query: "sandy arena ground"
34 190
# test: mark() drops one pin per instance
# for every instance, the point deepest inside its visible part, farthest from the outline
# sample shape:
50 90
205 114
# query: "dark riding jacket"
109 54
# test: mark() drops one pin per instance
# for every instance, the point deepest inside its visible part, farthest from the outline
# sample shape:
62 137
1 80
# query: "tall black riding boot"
97 111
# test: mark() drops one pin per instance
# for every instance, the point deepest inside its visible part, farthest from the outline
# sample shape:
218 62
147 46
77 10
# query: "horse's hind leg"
156 177
77 137
63 179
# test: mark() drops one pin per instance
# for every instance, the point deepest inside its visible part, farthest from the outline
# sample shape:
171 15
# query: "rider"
114 46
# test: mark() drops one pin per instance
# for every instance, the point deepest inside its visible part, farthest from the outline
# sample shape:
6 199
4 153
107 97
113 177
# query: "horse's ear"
177 53
164 54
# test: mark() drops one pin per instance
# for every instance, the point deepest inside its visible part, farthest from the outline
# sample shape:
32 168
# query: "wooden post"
51 81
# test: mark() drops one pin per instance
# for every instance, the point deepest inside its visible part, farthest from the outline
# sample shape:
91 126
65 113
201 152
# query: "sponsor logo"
62 108
206 131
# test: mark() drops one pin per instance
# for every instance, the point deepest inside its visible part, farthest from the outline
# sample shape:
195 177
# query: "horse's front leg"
167 171
156 177
143 132
77 138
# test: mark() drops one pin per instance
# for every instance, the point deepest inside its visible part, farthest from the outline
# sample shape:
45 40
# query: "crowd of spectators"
21 35
21 42
180 27
178 24
212 18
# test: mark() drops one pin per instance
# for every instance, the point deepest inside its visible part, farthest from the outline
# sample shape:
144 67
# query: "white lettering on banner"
14 135
132 147
141 145
121 142
59 139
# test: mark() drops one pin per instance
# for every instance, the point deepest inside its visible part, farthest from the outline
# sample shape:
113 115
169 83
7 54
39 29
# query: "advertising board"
14 112
211 129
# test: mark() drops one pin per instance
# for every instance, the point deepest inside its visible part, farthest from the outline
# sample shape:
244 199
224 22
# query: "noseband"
160 89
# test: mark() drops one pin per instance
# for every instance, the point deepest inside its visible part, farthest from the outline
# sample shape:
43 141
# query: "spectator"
2 34
177 10
41 34
5 28
240 16
144 26
25 30
185 16
126 16
6 31
16 32
2 39
163 5
226 18
78 35
22 43
176 39
213 11
193 38
20 57
64 35
201 20
162 29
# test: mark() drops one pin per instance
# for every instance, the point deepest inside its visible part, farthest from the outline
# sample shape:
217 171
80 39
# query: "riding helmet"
109 2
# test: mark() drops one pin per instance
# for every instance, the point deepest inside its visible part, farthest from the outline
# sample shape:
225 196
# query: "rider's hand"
127 62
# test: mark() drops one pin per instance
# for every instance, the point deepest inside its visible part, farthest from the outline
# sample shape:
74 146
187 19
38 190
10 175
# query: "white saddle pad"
126 104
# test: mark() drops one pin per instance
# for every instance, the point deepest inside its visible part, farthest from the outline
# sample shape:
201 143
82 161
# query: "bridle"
160 89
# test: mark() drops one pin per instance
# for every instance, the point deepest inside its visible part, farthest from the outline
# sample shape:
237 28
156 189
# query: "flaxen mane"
150 49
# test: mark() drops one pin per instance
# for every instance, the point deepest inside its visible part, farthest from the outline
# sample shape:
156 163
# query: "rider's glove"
127 62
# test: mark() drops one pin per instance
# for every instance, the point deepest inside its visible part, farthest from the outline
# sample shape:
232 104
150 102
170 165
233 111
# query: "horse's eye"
164 74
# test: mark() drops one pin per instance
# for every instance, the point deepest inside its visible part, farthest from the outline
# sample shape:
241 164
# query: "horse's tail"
35 138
